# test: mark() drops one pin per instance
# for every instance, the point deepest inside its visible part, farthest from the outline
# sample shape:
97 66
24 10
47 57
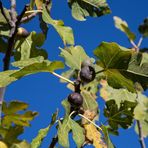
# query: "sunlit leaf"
30 47
84 8
37 141
74 56
5 78
35 66
77 133
22 144
89 100
123 26
32 3
65 32
119 95
4 26
106 137
141 112
67 125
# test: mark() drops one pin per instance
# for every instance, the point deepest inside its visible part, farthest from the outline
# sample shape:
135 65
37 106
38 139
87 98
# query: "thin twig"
140 41
33 11
100 71
134 45
90 122
141 138
29 17
4 14
61 77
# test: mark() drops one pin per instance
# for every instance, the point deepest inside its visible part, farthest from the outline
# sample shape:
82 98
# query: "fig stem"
100 71
33 11
61 77
91 122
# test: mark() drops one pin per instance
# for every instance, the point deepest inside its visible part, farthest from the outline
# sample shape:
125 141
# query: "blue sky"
43 91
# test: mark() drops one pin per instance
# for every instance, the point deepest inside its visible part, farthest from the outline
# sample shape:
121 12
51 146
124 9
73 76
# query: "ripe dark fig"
86 62
87 74
75 99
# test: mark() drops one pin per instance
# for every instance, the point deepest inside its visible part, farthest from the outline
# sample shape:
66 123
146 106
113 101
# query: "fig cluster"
87 74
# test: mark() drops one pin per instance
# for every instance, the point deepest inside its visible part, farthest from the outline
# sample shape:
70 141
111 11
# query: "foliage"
120 76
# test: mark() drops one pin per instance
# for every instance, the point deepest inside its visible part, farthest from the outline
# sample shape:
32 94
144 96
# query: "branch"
26 18
13 33
53 142
141 138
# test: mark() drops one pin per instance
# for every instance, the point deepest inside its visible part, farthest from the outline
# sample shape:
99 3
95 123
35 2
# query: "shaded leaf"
119 67
13 107
10 135
65 32
3 45
19 119
123 26
37 141
137 69
84 8
143 28
119 117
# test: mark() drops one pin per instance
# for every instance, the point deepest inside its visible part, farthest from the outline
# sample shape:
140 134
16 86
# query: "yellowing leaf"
22 144
3 145
123 26
94 136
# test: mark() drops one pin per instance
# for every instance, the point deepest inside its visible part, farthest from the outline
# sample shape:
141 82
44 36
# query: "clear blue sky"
43 91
